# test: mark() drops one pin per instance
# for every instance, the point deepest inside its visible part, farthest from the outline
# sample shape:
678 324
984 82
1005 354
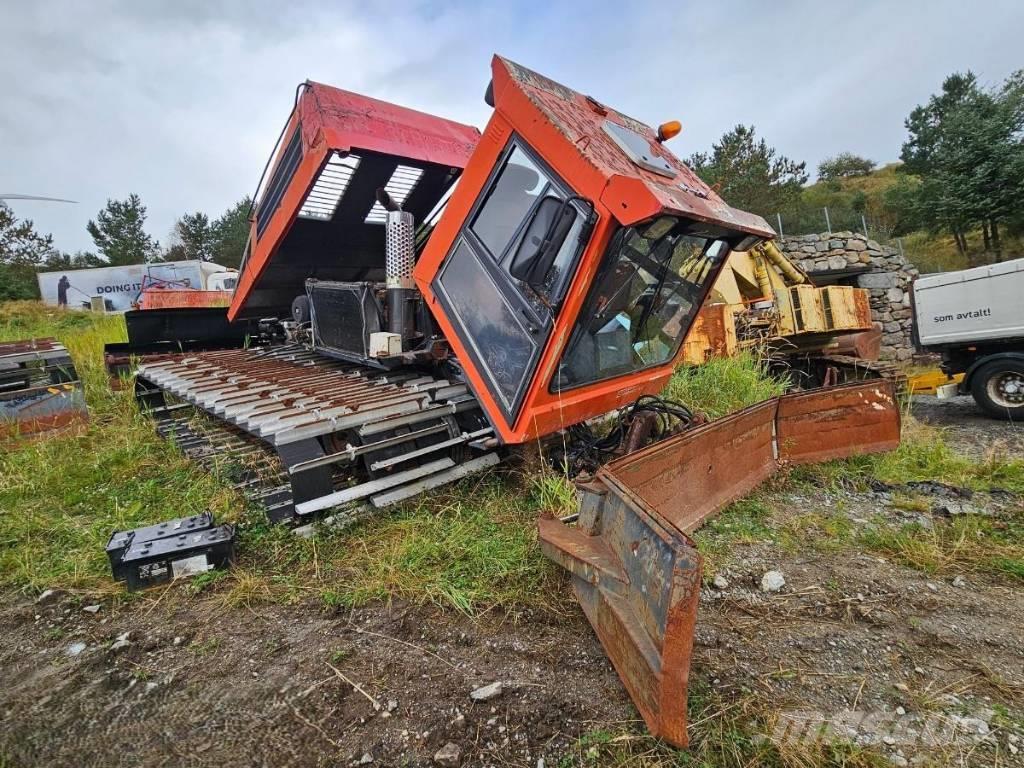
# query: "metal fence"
813 221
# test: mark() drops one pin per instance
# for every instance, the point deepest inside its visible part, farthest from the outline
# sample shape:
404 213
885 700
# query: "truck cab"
222 281
972 318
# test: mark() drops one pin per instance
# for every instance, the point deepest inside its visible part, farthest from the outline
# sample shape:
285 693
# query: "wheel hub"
1007 389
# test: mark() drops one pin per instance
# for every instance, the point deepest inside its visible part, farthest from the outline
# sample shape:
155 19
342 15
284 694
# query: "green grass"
933 253
743 522
83 333
724 385
923 454
61 496
472 546
967 544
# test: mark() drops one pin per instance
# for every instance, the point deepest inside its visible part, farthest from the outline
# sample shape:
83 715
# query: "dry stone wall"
886 276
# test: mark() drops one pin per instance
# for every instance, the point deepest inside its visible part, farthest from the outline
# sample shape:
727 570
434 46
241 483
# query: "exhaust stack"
400 254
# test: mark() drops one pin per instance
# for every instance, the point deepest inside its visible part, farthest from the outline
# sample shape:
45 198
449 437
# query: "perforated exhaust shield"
400 250
635 570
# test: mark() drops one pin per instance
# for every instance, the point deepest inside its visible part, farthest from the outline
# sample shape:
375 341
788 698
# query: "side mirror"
544 237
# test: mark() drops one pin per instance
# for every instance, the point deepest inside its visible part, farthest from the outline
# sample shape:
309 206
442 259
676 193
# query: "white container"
971 305
383 344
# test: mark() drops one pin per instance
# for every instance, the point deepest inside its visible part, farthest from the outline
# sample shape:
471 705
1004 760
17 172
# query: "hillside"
848 199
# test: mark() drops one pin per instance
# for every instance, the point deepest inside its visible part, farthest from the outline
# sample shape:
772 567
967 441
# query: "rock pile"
885 274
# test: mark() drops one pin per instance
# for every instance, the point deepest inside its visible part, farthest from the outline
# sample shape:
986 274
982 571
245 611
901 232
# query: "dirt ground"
969 430
924 669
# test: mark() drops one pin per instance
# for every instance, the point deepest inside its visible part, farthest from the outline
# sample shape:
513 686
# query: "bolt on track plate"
635 570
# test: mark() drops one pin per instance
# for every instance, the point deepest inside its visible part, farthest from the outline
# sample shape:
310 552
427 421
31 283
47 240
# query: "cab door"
503 323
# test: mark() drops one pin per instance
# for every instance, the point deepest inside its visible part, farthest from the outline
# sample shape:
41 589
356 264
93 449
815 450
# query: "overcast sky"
181 101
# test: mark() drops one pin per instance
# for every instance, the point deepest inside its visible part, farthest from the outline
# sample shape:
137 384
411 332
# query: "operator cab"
572 258
558 283
642 301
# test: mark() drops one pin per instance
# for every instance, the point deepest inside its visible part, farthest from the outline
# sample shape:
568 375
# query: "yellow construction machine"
762 300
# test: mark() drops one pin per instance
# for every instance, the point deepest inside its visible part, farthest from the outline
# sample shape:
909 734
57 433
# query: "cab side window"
501 221
515 191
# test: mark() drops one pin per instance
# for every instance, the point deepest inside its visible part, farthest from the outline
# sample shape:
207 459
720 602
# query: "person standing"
62 291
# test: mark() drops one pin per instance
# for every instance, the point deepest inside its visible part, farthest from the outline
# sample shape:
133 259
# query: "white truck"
974 318
116 289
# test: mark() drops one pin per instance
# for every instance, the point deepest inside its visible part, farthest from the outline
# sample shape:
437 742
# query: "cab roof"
348 120
619 158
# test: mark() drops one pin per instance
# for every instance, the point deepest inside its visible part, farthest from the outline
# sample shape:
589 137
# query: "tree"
194 238
901 203
222 241
119 233
230 234
967 147
22 252
749 174
78 260
843 166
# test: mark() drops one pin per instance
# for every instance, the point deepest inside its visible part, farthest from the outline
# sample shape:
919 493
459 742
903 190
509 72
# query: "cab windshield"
650 285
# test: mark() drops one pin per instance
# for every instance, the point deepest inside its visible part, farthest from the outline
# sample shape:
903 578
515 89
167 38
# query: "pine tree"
119 233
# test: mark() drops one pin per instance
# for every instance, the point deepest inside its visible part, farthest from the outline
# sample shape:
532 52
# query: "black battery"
120 541
146 563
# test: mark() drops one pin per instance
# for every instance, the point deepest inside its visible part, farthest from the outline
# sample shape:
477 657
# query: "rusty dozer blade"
636 572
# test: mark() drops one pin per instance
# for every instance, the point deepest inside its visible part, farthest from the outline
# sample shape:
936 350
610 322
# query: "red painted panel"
334 119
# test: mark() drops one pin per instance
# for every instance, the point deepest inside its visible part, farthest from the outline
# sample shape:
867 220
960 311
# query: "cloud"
181 102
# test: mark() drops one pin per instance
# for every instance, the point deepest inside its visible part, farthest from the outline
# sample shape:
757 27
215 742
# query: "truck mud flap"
636 572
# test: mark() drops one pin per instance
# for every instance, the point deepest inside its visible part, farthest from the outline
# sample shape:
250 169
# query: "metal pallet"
317 433
39 388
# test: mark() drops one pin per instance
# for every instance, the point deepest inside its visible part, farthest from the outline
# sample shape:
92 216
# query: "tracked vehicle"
429 297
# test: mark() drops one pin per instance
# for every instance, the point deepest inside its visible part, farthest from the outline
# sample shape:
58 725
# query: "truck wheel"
300 309
998 389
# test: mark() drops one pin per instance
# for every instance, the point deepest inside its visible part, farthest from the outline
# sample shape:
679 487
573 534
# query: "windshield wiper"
663 269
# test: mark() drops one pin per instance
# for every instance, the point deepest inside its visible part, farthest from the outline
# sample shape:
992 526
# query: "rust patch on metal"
713 334
693 475
838 422
638 582
867 345
169 298
636 573
862 308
